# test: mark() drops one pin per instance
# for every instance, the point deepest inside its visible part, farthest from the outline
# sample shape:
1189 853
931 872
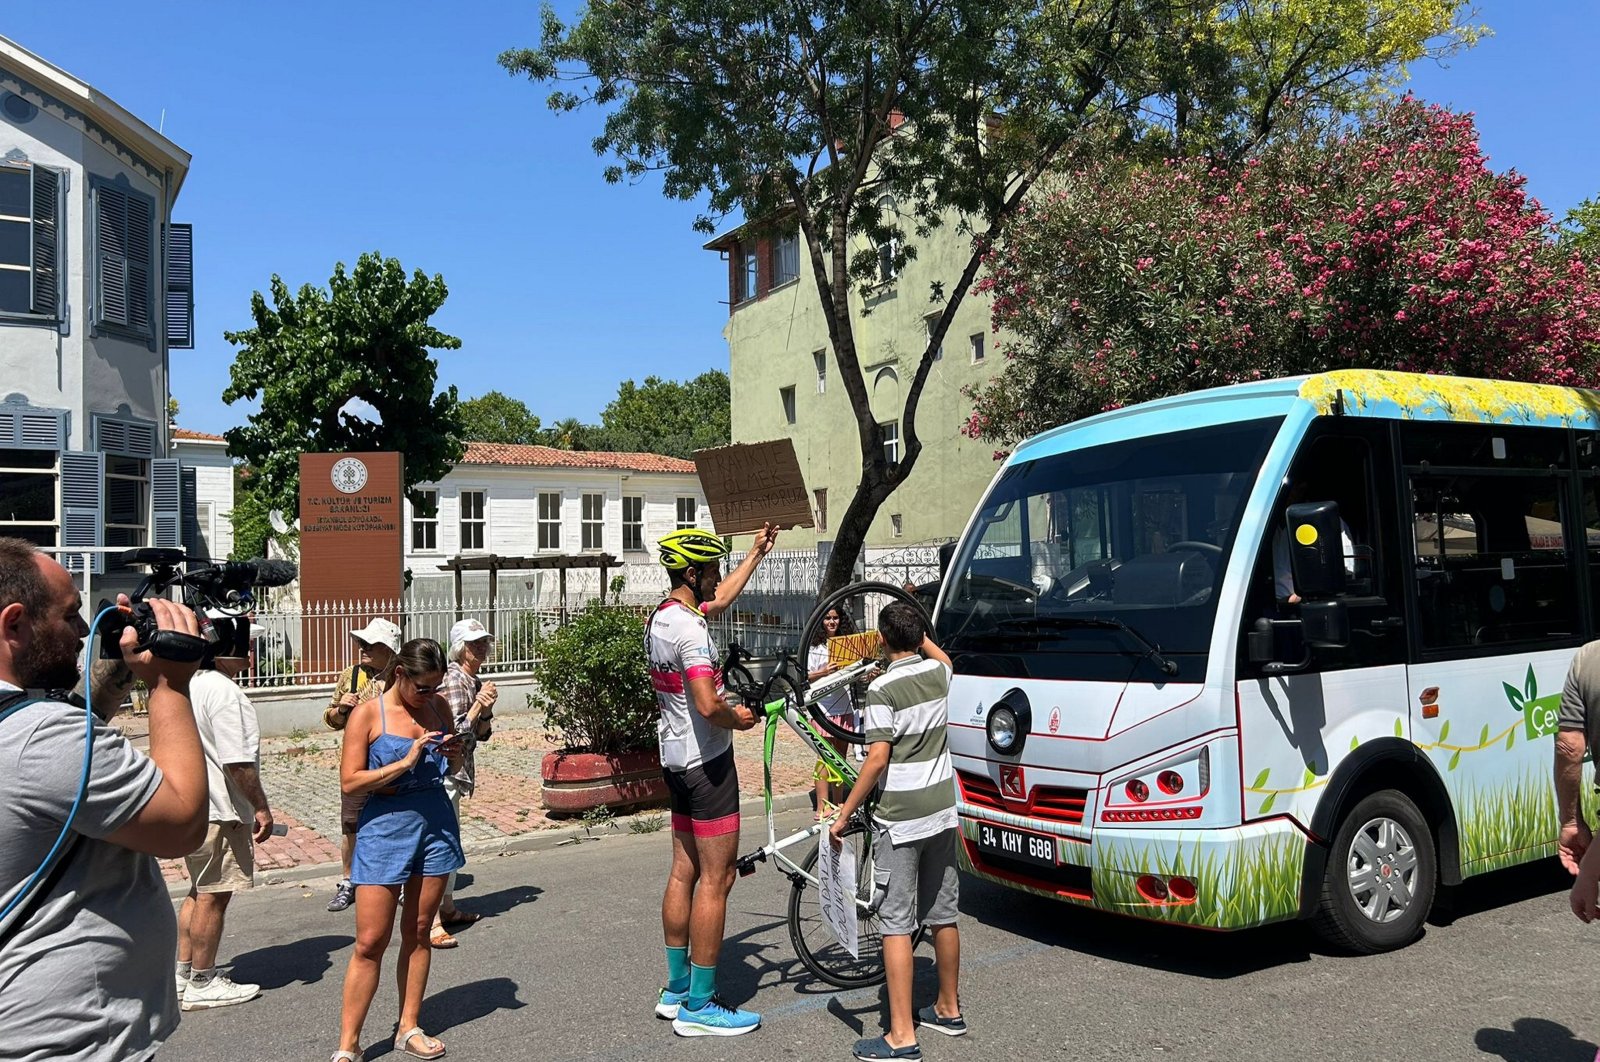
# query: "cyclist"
696 739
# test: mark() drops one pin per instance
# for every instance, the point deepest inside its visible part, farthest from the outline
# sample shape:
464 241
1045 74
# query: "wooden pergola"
494 564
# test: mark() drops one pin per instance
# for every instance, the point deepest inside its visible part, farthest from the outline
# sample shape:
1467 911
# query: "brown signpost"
749 484
351 548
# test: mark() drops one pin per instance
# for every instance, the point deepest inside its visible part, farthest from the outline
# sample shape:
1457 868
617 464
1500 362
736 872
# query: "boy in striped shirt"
915 827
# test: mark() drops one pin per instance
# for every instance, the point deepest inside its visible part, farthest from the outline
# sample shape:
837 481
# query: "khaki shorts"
225 861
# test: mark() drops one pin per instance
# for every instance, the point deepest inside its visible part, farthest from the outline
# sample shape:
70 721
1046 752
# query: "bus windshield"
1094 557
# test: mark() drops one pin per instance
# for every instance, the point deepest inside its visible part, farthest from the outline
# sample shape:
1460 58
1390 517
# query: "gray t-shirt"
88 976
1582 688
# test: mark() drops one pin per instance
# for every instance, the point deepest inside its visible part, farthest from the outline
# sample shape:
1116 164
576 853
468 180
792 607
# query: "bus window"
1491 560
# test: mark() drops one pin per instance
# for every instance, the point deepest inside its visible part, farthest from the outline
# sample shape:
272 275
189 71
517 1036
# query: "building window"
891 442
821 359
124 256
895 527
549 519
749 275
425 528
686 513
786 394
822 508
28 495
30 249
929 323
594 520
127 501
472 520
785 259
632 522
889 249
976 342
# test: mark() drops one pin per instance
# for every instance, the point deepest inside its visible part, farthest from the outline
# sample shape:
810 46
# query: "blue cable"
83 780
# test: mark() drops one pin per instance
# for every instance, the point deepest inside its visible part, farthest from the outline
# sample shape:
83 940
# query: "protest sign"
836 870
749 484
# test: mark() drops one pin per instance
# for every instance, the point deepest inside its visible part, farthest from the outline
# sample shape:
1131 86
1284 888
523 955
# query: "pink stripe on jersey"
666 681
695 671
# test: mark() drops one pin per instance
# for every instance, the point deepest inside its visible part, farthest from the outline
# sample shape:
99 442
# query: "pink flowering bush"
1392 246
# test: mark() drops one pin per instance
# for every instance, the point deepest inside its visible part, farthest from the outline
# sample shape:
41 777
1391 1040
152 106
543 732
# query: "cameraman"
83 960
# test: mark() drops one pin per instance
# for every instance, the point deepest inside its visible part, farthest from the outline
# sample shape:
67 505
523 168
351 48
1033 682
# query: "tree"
313 352
807 114
570 433
1394 246
495 417
1580 232
250 518
667 417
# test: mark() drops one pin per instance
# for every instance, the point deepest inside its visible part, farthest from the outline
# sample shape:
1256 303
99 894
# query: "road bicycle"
789 697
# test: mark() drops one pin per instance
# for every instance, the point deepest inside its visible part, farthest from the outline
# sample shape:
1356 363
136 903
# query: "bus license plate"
1016 844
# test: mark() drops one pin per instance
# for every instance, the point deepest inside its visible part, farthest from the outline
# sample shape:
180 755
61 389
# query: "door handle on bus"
1387 623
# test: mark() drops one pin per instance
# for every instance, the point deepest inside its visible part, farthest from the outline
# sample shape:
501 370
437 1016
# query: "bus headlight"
1009 722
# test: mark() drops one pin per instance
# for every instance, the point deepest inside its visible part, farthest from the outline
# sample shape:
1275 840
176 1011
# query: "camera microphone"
241 575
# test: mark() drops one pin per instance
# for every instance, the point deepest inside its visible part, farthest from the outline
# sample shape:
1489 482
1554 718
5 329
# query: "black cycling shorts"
705 799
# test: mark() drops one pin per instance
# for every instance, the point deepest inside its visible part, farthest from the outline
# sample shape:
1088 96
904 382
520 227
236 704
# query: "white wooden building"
206 476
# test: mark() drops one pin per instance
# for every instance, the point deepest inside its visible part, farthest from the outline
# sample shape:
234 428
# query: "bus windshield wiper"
1152 651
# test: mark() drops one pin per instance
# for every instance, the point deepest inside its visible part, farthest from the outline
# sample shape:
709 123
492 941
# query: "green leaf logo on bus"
1539 713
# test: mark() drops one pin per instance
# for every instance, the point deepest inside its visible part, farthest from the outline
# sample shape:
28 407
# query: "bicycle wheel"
855 651
819 950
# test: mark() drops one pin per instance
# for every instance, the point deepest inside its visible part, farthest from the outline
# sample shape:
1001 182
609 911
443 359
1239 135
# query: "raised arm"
733 583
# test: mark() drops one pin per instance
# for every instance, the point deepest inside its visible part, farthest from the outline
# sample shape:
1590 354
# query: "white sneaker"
182 983
220 991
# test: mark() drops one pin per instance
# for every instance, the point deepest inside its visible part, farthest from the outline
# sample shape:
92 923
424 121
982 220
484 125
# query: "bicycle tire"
811 934
841 599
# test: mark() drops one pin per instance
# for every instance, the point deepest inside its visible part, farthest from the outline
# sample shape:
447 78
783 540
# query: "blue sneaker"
716 1018
668 1003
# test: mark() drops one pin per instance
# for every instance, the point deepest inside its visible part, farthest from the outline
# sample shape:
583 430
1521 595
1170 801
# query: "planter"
575 782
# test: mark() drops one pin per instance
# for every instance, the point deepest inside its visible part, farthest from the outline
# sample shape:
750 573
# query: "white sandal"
403 1041
345 1056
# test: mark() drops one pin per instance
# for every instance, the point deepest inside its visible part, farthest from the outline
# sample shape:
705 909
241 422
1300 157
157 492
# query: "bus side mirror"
1324 624
1316 549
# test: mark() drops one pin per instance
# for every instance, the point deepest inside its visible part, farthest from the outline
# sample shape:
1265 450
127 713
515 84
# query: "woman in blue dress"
398 749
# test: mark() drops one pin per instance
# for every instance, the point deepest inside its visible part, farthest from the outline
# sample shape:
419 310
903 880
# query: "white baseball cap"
468 630
379 632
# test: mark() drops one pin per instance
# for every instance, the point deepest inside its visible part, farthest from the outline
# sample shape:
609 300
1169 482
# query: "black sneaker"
344 894
929 1018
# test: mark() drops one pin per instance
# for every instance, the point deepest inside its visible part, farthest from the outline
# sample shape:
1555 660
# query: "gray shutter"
41 429
141 244
179 304
111 255
166 502
46 241
194 533
83 479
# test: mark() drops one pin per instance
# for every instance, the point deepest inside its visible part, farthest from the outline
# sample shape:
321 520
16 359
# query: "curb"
532 841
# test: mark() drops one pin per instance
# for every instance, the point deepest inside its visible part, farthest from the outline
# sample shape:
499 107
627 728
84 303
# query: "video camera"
222 588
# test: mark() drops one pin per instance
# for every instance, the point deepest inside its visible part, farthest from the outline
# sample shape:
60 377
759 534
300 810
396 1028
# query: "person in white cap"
377 643
472 703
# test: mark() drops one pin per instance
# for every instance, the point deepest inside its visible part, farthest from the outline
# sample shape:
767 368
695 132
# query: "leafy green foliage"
250 519
499 418
811 116
667 417
1580 232
594 682
366 337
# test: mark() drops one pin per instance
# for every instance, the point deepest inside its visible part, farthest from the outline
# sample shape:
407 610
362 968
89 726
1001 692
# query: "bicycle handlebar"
758 697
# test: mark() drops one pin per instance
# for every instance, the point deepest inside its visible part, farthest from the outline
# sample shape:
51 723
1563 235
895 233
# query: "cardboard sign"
836 873
750 484
846 649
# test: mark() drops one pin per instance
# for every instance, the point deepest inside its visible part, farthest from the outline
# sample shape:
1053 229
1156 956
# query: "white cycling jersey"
680 649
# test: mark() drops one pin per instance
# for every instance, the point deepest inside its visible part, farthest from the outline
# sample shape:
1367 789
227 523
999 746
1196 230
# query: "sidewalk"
300 774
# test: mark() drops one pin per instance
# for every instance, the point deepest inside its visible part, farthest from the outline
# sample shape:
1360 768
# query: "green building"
785 382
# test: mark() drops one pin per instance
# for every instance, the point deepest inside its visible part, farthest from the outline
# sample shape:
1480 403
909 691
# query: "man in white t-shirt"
695 733
239 818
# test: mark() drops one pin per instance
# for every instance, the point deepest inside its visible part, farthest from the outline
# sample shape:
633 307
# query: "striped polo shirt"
906 707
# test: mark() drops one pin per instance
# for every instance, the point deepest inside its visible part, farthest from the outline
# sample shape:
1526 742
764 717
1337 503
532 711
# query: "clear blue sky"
321 131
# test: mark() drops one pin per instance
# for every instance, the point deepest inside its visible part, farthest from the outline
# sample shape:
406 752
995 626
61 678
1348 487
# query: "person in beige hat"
472 702
376 643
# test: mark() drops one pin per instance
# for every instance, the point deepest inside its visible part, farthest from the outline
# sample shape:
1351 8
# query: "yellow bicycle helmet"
688 547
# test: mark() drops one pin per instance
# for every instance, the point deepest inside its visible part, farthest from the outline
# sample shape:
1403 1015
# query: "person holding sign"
916 828
696 738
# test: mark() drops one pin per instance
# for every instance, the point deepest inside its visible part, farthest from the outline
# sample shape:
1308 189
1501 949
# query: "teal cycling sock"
702 983
677 969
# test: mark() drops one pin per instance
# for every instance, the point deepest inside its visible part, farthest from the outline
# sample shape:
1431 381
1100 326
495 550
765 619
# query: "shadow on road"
498 903
1534 1040
1500 889
760 957
461 1004
297 962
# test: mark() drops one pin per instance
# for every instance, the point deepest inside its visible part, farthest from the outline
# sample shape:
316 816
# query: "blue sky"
322 131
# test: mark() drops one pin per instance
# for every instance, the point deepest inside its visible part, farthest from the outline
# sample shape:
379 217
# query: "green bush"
594 682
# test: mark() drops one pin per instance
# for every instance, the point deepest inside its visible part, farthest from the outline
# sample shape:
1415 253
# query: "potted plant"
593 686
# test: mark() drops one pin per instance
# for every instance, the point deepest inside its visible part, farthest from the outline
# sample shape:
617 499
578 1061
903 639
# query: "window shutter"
83 477
166 502
140 244
47 241
179 305
194 535
111 255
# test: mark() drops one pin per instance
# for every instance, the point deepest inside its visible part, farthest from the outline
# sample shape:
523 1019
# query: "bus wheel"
1381 875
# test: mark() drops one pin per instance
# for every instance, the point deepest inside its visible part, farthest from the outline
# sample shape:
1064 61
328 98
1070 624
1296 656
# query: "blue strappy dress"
409 828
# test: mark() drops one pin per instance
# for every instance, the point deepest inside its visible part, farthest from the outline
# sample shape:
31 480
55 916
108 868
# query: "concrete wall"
772 341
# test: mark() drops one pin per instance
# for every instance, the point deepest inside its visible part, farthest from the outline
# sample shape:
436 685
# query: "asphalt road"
567 966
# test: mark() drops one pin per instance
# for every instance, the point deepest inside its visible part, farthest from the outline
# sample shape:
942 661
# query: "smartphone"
279 830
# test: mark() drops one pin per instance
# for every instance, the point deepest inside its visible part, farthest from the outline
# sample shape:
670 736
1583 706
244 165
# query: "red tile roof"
483 453
203 436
